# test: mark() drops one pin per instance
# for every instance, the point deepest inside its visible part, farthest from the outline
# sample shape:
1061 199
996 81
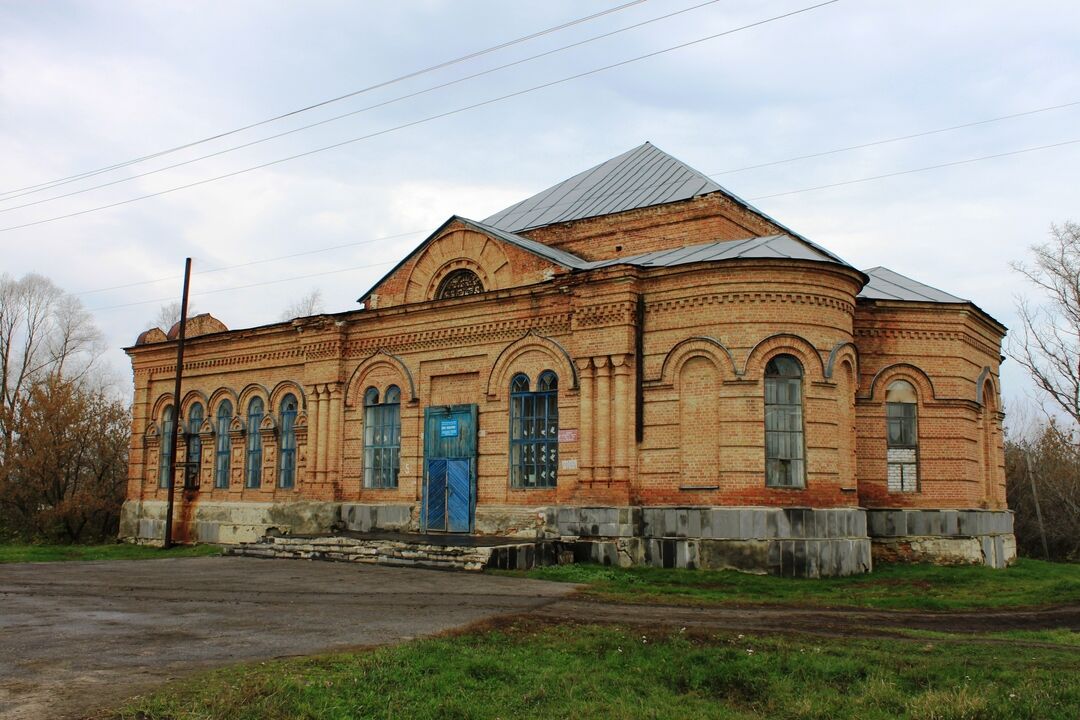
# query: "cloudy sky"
88 85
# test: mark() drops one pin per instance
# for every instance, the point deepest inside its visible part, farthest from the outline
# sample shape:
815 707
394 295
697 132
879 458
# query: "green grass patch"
13 553
897 587
526 670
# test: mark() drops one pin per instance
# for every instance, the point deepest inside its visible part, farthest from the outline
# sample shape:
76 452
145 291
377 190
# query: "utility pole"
171 447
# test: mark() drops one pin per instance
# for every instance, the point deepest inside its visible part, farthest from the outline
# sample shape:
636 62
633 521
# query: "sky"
88 85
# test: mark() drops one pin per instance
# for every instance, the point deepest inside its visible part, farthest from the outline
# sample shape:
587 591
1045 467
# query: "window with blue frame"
382 438
168 422
785 466
534 431
254 443
287 468
193 461
222 451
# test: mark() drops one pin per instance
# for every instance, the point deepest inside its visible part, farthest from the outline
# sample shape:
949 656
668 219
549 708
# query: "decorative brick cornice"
460 335
915 334
616 313
256 359
742 298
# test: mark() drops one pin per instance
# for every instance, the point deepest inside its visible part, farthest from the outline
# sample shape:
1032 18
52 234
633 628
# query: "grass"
16 553
528 670
895 587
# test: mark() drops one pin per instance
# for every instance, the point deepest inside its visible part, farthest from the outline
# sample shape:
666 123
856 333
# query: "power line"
385 83
429 118
353 112
252 262
899 138
760 197
614 192
250 285
918 170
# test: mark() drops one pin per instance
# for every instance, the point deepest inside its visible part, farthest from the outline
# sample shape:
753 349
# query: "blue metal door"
449 500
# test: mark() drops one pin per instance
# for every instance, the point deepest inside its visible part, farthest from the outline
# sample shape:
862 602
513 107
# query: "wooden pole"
171 465
1038 508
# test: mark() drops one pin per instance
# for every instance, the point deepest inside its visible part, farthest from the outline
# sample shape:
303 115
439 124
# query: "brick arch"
843 349
503 367
455 249
924 386
985 378
784 344
250 391
356 385
282 389
163 400
217 396
192 397
698 346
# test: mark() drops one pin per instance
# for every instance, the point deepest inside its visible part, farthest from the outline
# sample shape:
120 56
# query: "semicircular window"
459 283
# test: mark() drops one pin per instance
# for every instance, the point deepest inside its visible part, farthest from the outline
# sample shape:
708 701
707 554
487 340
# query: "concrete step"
403 551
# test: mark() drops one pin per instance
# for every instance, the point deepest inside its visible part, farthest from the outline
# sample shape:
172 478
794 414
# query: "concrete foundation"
949 537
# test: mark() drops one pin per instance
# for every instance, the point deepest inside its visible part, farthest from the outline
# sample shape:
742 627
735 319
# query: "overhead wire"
429 118
438 66
351 113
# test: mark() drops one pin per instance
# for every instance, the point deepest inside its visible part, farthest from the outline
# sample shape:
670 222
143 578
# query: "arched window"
382 438
222 450
534 431
784 447
901 419
254 443
287 469
194 447
459 283
168 450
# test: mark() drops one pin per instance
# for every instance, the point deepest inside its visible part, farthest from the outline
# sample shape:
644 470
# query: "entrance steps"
442 552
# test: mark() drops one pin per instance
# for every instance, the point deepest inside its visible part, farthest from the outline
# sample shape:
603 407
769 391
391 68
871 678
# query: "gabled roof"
559 257
886 284
771 246
638 178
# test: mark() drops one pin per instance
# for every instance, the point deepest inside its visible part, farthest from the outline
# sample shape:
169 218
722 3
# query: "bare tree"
43 332
1048 342
310 304
169 314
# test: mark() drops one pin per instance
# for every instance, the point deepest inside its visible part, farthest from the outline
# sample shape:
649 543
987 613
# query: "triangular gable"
410 279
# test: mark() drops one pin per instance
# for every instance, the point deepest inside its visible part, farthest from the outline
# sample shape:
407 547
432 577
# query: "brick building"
634 360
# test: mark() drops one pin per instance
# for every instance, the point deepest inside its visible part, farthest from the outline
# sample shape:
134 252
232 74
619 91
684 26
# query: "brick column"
585 439
332 445
602 420
621 421
322 435
312 470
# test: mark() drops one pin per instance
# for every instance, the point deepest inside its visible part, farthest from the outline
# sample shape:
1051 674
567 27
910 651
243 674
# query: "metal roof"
557 256
770 246
886 284
638 178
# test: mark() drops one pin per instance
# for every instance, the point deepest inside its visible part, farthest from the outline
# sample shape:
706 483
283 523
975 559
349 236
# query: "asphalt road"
78 636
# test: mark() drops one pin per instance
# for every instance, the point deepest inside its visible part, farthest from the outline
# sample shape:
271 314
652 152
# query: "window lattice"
534 432
459 283
784 460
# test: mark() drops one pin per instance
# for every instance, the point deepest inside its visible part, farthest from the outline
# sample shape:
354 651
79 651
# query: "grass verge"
1029 583
528 670
15 553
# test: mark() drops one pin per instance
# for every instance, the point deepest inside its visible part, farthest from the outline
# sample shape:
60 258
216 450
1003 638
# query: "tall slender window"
382 438
222 451
168 421
901 420
784 462
287 469
254 443
534 432
194 447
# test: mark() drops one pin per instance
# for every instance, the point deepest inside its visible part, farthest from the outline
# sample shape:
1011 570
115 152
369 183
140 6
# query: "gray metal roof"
560 257
886 284
638 178
771 246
